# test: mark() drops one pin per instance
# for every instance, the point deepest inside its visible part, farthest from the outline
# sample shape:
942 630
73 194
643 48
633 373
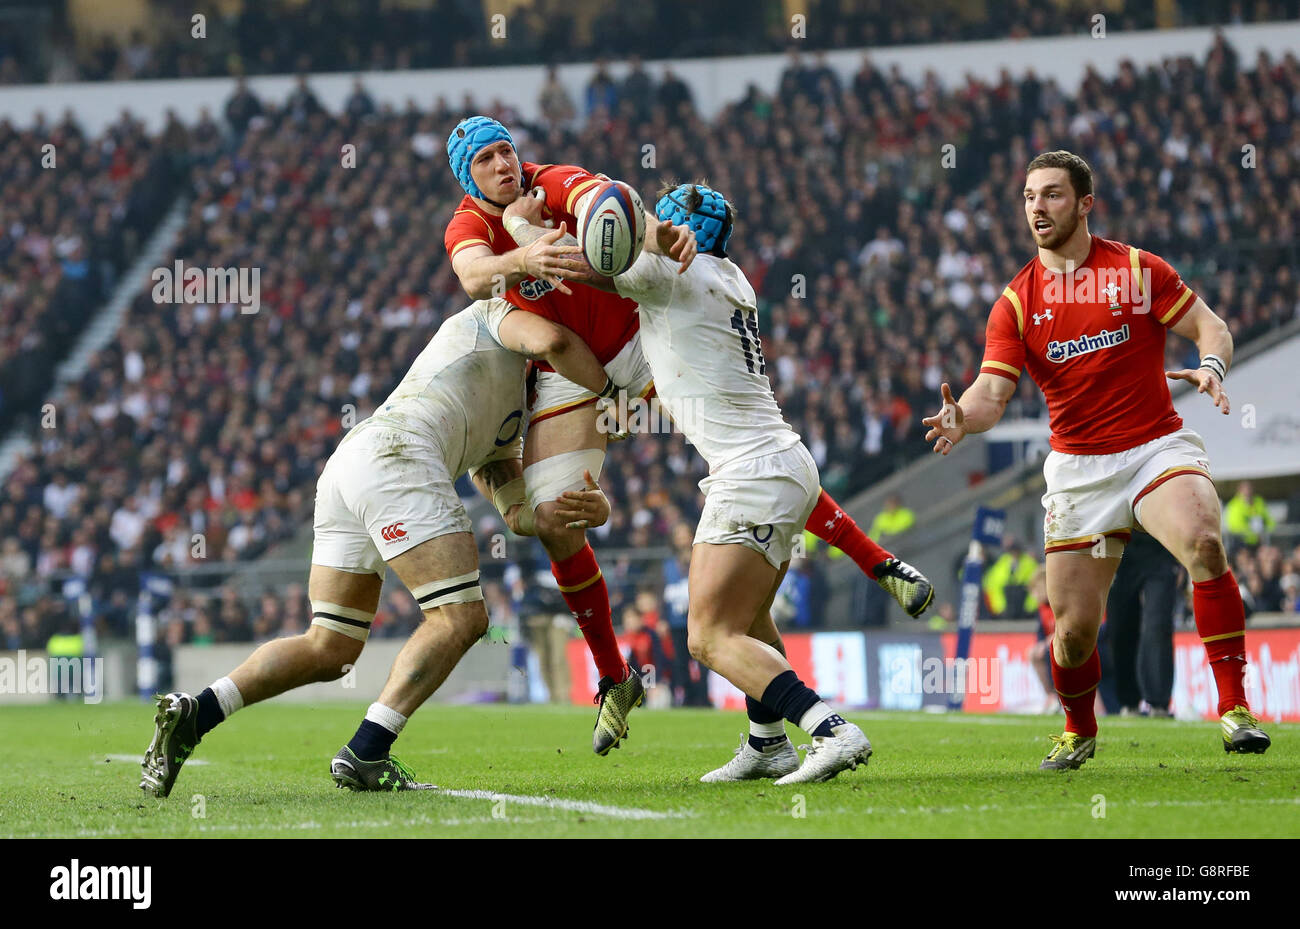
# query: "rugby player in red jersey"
1087 317
499 245
563 437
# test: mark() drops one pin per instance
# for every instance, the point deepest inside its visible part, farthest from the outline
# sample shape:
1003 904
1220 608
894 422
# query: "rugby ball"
611 227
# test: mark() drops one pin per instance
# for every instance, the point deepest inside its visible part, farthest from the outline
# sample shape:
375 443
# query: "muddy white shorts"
382 493
555 395
1094 497
762 502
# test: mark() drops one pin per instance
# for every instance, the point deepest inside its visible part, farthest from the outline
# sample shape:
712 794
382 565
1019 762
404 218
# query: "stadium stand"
73 212
875 287
284 36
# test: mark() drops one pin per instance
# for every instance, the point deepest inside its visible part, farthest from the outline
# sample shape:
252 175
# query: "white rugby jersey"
464 393
699 333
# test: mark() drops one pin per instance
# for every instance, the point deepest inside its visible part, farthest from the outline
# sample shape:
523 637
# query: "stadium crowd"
200 432
284 36
72 213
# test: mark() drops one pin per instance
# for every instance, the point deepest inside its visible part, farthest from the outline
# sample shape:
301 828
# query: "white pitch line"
998 808
573 806
138 759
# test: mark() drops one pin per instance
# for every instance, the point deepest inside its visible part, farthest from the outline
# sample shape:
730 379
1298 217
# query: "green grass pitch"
523 772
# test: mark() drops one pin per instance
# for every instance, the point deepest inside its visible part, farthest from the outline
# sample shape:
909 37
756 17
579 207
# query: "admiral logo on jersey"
533 289
1071 348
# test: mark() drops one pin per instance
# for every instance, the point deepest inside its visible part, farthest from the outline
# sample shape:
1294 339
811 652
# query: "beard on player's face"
1061 228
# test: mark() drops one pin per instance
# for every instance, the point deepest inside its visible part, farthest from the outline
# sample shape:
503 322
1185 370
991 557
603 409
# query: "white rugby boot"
749 764
847 747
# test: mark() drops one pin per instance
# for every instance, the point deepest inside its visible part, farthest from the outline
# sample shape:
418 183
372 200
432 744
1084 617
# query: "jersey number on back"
747 325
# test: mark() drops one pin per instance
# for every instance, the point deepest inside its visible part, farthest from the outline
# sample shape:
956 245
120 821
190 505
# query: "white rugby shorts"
1095 497
382 493
763 503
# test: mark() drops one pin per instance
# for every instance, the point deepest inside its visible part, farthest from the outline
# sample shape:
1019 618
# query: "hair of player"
693 200
1076 167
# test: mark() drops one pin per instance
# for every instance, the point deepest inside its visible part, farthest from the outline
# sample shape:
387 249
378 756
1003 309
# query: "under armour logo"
393 533
585 614
1047 314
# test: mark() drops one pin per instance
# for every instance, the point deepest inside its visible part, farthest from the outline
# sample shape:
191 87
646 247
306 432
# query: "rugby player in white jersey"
699 332
386 497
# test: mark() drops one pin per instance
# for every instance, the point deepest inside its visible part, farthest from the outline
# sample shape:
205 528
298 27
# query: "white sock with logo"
767 730
816 715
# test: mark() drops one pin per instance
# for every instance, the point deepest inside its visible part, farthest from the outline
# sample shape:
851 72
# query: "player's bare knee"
557 343
556 537
1073 646
331 652
1207 552
472 625
700 645
468 621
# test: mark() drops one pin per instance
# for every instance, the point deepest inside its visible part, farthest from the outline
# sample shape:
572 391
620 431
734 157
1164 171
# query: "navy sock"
827 724
762 743
372 741
789 696
758 713
209 712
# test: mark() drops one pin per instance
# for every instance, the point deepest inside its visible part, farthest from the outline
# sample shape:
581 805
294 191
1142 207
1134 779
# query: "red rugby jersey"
1094 343
605 321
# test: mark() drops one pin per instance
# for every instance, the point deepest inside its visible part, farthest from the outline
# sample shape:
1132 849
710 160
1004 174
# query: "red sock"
1077 688
1221 621
583 587
831 524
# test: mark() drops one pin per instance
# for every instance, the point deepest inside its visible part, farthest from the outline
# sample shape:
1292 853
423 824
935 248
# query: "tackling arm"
502 482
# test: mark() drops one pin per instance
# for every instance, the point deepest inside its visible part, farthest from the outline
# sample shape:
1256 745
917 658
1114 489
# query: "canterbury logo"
393 533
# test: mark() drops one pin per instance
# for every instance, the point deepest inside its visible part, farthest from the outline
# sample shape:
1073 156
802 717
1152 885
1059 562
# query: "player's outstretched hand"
678 243
948 426
548 261
1207 382
583 509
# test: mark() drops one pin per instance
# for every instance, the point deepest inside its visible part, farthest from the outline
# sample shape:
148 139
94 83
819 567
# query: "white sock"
384 716
767 730
228 696
815 716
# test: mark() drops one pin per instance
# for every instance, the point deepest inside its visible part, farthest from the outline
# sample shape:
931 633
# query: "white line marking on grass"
998 808
573 806
139 759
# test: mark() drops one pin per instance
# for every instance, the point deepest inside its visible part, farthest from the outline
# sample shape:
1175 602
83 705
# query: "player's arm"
559 346
484 274
982 405
676 242
978 410
1214 342
502 481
